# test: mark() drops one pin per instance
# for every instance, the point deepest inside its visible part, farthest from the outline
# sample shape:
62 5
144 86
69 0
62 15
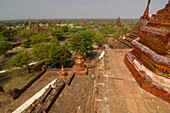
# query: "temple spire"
146 13
168 4
29 25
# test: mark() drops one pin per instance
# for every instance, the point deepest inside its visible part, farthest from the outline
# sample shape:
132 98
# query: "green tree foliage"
51 53
59 54
75 30
26 43
13 33
26 23
107 30
5 46
82 41
98 37
5 33
40 52
54 41
20 59
1 24
3 38
27 33
38 38
8 34
65 29
120 32
57 33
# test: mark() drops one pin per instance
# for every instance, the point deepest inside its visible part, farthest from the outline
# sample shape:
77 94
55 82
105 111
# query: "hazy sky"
47 9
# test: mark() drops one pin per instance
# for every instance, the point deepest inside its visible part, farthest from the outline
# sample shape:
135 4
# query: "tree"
75 30
5 33
120 32
65 29
8 34
51 53
40 52
26 23
82 41
1 25
65 54
54 41
20 59
27 33
3 38
57 33
98 37
26 43
39 38
5 46
59 54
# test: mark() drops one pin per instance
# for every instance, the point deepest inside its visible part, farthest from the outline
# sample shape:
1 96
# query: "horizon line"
67 19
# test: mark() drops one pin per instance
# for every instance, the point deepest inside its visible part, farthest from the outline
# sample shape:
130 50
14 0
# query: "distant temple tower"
30 26
149 61
118 23
37 28
140 23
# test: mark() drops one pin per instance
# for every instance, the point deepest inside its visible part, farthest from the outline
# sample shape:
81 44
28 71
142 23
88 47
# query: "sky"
59 9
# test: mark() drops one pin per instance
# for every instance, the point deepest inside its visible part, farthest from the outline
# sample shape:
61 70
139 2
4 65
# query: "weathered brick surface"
111 90
118 92
76 98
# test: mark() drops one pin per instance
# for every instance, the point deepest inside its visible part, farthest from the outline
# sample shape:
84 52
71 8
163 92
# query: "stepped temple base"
149 81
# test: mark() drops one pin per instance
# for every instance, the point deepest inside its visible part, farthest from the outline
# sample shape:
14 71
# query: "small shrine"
149 61
79 68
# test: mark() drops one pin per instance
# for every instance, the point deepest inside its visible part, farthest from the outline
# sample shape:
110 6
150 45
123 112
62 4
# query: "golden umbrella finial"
63 73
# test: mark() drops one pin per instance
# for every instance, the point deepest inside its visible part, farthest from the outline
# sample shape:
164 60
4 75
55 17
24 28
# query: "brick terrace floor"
76 98
114 91
118 92
32 90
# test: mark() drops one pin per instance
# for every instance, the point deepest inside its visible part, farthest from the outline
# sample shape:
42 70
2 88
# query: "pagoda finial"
29 25
63 73
79 54
79 62
37 22
146 13
168 4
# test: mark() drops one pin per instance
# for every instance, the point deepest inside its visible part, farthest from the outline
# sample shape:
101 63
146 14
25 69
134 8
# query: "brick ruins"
37 28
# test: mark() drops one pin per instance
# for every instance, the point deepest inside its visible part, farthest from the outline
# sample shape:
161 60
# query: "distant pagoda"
37 28
118 23
149 61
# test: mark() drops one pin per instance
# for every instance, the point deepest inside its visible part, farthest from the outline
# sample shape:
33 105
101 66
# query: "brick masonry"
118 92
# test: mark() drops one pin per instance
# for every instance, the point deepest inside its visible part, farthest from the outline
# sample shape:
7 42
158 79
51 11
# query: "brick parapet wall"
15 93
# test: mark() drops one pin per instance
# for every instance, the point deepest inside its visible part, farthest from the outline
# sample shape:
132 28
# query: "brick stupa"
118 23
37 28
149 61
